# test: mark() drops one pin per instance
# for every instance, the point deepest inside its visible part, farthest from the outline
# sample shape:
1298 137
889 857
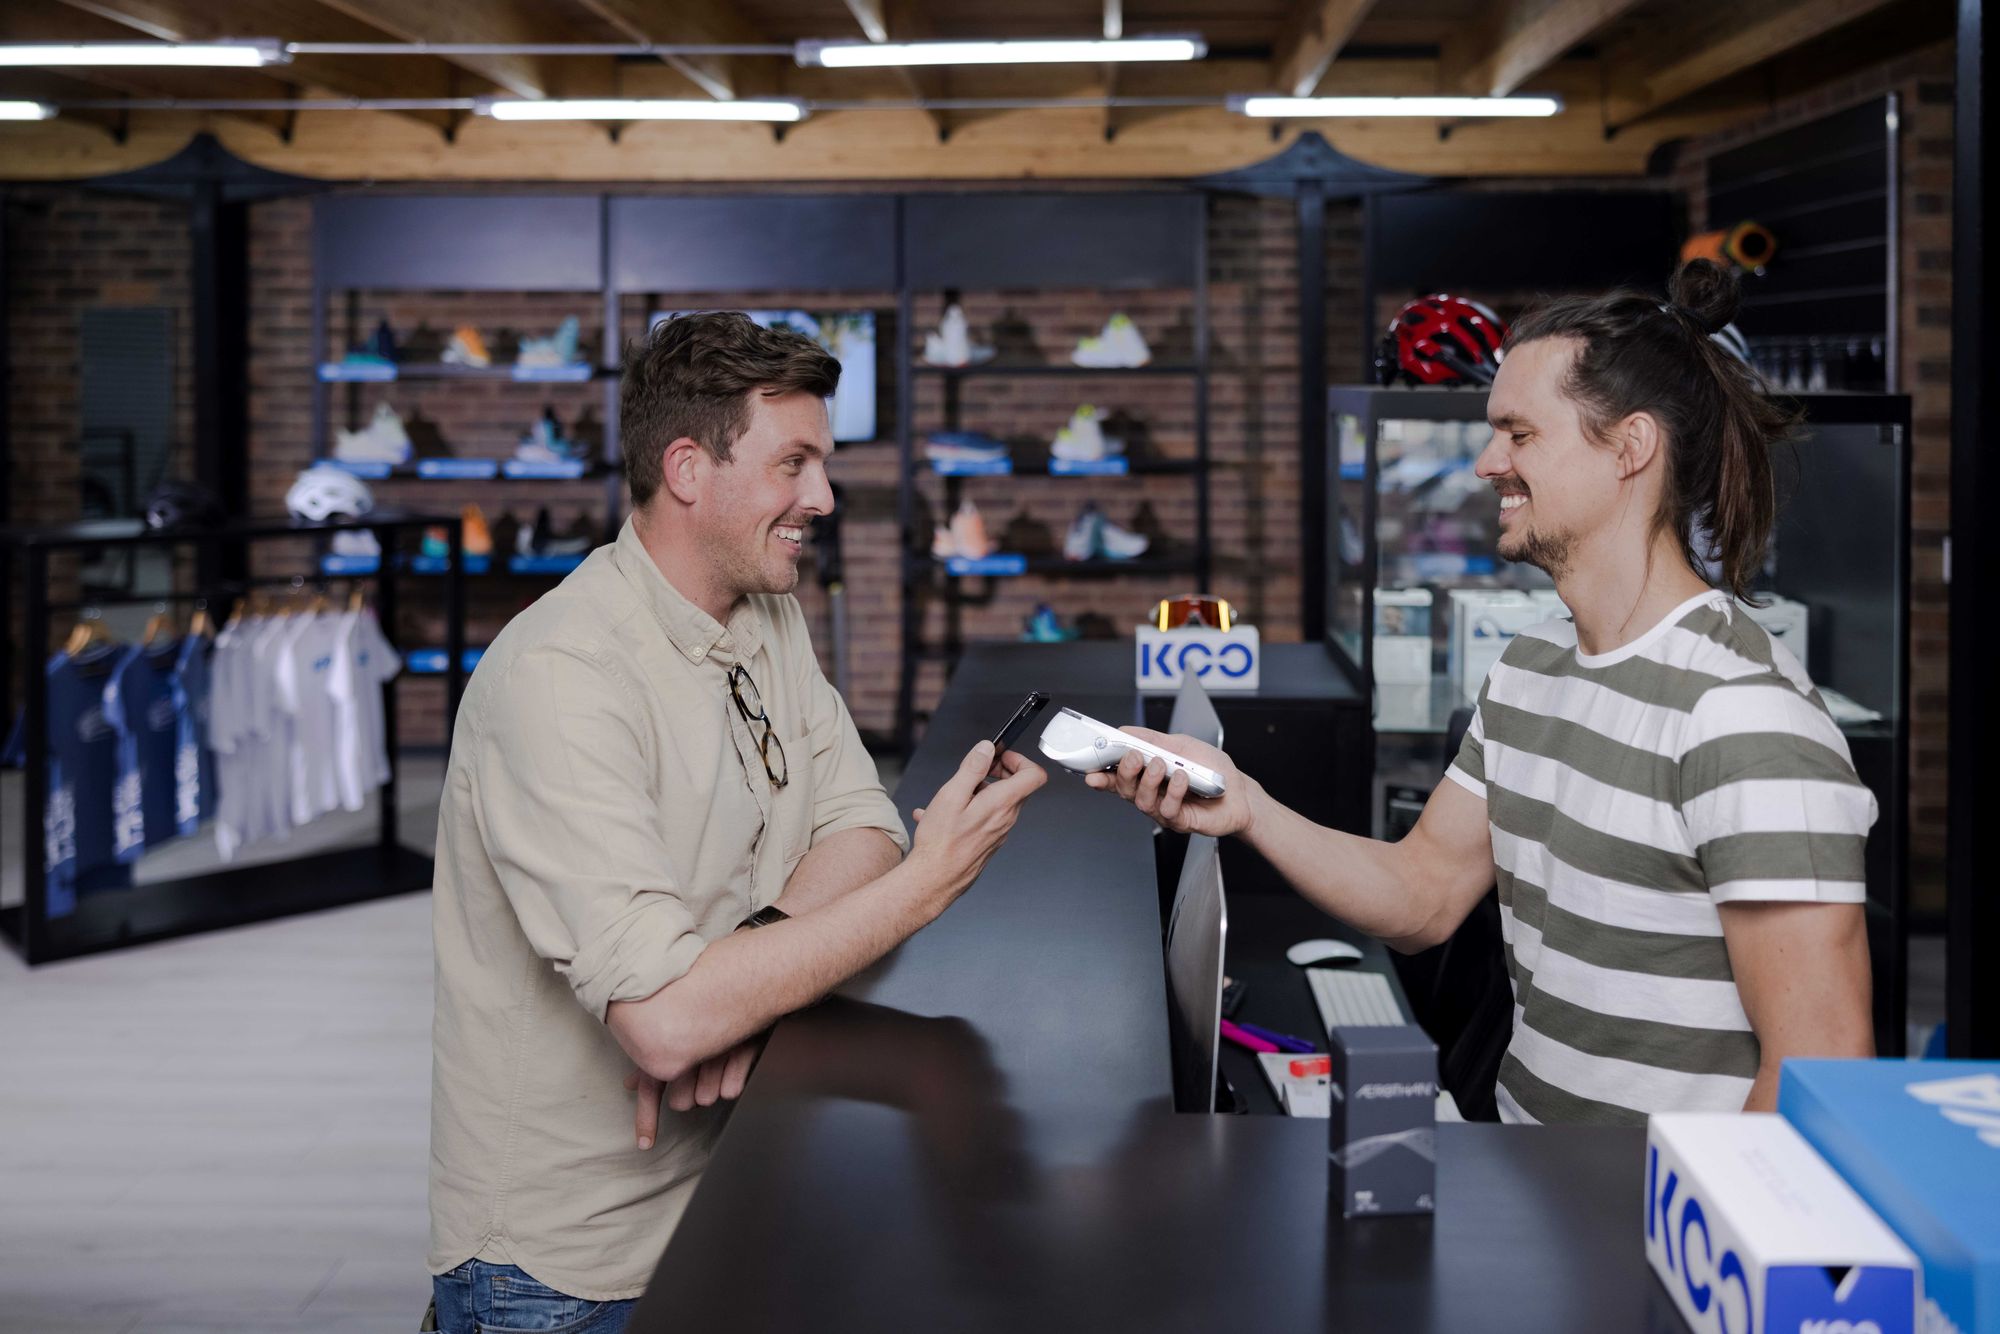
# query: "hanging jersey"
194 761
139 706
272 803
79 847
230 736
365 663
304 669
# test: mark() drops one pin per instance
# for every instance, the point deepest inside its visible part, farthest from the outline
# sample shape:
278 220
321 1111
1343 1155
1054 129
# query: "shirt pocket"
793 806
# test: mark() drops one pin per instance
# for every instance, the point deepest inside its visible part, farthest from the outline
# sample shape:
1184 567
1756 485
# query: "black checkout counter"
979 1133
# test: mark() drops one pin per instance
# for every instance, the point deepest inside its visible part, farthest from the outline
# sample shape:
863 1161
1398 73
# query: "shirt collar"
693 631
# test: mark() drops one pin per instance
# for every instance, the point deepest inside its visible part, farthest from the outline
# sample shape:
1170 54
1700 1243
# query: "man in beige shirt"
648 760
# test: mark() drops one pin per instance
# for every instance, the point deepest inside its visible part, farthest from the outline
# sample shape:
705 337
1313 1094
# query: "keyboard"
1348 999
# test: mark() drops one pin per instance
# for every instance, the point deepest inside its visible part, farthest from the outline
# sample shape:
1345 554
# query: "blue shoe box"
1920 1142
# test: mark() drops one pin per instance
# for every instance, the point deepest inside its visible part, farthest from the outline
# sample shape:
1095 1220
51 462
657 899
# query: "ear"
1640 441
684 469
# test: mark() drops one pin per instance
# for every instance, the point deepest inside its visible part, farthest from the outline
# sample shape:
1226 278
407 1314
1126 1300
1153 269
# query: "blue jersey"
83 765
140 705
194 761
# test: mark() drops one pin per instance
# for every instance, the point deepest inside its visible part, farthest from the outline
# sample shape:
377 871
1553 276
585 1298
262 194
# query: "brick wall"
1924 137
69 251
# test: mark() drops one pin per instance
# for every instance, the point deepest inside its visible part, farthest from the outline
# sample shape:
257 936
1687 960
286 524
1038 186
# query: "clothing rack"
232 895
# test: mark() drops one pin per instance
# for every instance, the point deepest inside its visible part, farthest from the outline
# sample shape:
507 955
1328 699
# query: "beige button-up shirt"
604 817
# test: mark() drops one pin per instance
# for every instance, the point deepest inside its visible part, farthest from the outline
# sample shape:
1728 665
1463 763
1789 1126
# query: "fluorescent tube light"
26 111
1307 107
641 109
262 51
859 55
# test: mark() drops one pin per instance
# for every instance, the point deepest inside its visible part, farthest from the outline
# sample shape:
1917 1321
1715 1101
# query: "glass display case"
1419 605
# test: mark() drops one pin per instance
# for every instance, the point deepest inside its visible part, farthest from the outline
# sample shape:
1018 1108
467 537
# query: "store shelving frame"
233 895
954 243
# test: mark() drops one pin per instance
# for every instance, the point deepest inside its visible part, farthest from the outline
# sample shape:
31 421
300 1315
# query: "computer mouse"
1323 954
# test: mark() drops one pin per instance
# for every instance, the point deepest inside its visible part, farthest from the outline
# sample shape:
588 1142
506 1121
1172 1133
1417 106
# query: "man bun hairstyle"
692 376
1635 354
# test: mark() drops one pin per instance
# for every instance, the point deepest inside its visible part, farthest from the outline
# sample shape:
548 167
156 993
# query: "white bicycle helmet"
324 491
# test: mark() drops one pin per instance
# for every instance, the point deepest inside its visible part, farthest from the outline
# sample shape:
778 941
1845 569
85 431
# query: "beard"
1547 552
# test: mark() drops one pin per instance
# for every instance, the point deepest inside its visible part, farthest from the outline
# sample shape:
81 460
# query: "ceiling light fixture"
26 111
240 54
1306 108
1094 51
555 108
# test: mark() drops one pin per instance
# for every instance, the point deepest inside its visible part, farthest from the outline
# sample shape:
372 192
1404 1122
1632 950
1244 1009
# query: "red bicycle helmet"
1441 339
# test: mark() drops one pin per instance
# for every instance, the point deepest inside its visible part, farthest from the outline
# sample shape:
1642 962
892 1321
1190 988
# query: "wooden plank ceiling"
1633 74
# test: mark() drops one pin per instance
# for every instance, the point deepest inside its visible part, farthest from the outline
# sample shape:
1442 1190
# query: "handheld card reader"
1084 745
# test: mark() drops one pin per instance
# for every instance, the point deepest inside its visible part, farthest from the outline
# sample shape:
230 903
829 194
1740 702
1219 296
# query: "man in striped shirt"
1669 813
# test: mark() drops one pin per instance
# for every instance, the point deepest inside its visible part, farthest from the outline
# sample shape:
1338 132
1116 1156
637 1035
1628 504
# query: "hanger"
199 624
158 626
89 630
357 598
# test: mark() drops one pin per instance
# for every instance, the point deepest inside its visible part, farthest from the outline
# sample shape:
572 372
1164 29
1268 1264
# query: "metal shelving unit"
1094 242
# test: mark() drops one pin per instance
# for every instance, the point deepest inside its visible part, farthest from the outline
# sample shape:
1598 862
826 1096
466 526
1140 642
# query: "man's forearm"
743 983
1362 881
836 866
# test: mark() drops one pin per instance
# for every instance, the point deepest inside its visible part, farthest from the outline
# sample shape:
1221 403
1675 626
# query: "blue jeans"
482 1298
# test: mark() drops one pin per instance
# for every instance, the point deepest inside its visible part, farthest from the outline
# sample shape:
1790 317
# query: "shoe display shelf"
1092 245
1413 528
334 565
367 372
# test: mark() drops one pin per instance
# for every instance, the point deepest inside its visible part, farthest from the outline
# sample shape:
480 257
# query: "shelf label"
1116 466
344 565
972 467
552 374
999 564
458 470
560 468
372 469
544 564
356 372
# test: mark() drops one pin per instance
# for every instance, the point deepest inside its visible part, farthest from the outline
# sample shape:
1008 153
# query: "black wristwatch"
764 917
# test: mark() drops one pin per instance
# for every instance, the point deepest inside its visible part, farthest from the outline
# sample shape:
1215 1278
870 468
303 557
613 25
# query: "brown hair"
1637 355
693 376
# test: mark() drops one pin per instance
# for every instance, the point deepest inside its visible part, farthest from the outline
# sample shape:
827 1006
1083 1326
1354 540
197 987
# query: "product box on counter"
1383 1094
1402 636
1920 1141
1785 621
1753 1233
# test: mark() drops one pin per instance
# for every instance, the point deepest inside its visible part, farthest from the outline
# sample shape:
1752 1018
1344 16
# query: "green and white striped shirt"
1629 793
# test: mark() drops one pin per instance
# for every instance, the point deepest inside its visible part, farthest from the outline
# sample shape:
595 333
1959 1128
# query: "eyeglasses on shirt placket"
750 704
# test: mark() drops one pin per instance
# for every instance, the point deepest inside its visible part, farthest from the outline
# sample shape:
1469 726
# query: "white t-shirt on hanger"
364 663
303 670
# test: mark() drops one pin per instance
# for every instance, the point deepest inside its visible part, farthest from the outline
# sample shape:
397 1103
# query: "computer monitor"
1194 715
1195 935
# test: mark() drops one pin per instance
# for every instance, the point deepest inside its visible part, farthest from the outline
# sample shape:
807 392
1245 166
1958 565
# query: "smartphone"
1032 705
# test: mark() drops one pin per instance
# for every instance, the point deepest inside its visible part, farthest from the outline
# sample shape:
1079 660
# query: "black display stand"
234 896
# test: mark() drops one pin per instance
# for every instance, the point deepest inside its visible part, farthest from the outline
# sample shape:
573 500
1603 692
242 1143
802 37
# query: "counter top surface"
979 1134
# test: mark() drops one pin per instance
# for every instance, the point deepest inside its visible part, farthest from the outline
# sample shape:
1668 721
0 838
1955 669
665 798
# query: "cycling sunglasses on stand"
1192 609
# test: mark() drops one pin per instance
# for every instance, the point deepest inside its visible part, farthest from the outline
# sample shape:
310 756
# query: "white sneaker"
1119 347
951 344
382 440
1115 543
1080 542
558 349
356 542
1083 440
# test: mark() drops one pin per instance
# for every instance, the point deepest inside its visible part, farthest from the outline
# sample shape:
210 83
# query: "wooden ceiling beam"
1653 69
699 22
1518 40
299 21
498 21
1311 39
906 21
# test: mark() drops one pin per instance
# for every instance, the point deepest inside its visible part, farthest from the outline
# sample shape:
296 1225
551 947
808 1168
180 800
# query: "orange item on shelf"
478 538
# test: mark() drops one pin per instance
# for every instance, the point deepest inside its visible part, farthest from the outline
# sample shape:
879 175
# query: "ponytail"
1636 355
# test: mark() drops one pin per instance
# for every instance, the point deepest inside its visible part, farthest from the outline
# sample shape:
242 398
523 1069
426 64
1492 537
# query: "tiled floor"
228 1133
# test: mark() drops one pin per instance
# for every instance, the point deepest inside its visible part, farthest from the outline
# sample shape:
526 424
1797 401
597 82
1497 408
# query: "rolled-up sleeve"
847 788
566 814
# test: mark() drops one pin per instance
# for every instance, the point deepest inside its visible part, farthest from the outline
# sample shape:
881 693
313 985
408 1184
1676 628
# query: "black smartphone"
1032 705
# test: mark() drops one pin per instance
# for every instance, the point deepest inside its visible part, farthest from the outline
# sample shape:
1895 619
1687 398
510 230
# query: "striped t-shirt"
1629 793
